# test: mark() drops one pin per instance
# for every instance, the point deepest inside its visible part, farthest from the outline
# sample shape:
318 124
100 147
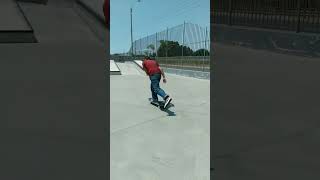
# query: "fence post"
205 47
135 48
183 35
155 46
147 45
299 15
167 46
230 12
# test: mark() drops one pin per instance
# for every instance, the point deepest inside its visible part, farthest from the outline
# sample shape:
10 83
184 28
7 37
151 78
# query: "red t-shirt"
151 66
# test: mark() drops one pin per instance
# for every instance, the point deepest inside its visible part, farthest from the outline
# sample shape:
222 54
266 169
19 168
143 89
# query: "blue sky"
151 16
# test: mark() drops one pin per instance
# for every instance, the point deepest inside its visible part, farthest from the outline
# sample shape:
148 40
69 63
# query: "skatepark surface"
49 128
11 18
266 115
150 144
95 6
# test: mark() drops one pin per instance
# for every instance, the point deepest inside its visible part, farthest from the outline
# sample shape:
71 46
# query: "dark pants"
155 87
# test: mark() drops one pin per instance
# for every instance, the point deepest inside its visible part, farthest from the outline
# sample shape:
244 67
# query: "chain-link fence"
184 46
292 15
197 63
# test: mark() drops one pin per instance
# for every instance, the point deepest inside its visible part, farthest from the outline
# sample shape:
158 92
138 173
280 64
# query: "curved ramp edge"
138 62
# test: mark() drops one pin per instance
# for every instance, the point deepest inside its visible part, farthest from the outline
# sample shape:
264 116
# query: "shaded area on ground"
54 100
96 6
286 42
266 121
11 18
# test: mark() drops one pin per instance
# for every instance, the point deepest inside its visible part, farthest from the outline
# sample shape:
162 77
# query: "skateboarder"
153 70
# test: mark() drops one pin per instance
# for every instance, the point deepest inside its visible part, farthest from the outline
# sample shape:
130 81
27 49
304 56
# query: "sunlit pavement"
147 143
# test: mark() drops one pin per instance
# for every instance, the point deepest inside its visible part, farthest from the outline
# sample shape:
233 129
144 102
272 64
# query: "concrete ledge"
14 26
17 37
302 44
138 62
115 73
114 69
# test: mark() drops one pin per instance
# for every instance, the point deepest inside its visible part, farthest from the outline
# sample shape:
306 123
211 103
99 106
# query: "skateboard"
160 104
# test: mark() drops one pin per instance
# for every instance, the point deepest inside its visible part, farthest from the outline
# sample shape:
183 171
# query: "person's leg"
166 97
153 93
155 81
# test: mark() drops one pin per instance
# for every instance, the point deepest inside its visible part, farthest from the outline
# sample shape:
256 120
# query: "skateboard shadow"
169 112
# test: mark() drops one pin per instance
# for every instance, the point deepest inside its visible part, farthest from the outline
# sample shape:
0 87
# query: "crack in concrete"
135 125
153 119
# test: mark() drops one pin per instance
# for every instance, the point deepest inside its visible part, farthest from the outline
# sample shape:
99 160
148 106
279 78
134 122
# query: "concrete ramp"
139 63
129 68
114 69
14 26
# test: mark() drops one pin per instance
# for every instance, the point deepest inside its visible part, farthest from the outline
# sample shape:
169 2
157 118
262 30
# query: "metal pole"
135 47
205 47
131 31
148 44
155 47
230 11
299 14
167 46
140 46
183 34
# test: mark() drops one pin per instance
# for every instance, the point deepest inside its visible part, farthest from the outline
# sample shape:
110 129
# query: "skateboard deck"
160 104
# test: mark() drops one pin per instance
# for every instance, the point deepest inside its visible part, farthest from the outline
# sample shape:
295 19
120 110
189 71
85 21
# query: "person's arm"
163 75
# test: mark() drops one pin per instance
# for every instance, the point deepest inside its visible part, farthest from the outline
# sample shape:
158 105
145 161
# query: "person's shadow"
161 103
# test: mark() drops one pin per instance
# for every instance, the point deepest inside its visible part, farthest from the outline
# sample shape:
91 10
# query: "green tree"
187 51
201 52
172 48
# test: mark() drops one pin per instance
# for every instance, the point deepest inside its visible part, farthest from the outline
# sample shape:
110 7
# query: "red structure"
106 11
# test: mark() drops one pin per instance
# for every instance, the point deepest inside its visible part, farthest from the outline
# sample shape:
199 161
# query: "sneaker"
167 101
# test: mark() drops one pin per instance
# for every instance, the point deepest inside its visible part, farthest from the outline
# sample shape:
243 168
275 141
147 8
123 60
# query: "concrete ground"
266 115
54 100
95 5
16 21
149 144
